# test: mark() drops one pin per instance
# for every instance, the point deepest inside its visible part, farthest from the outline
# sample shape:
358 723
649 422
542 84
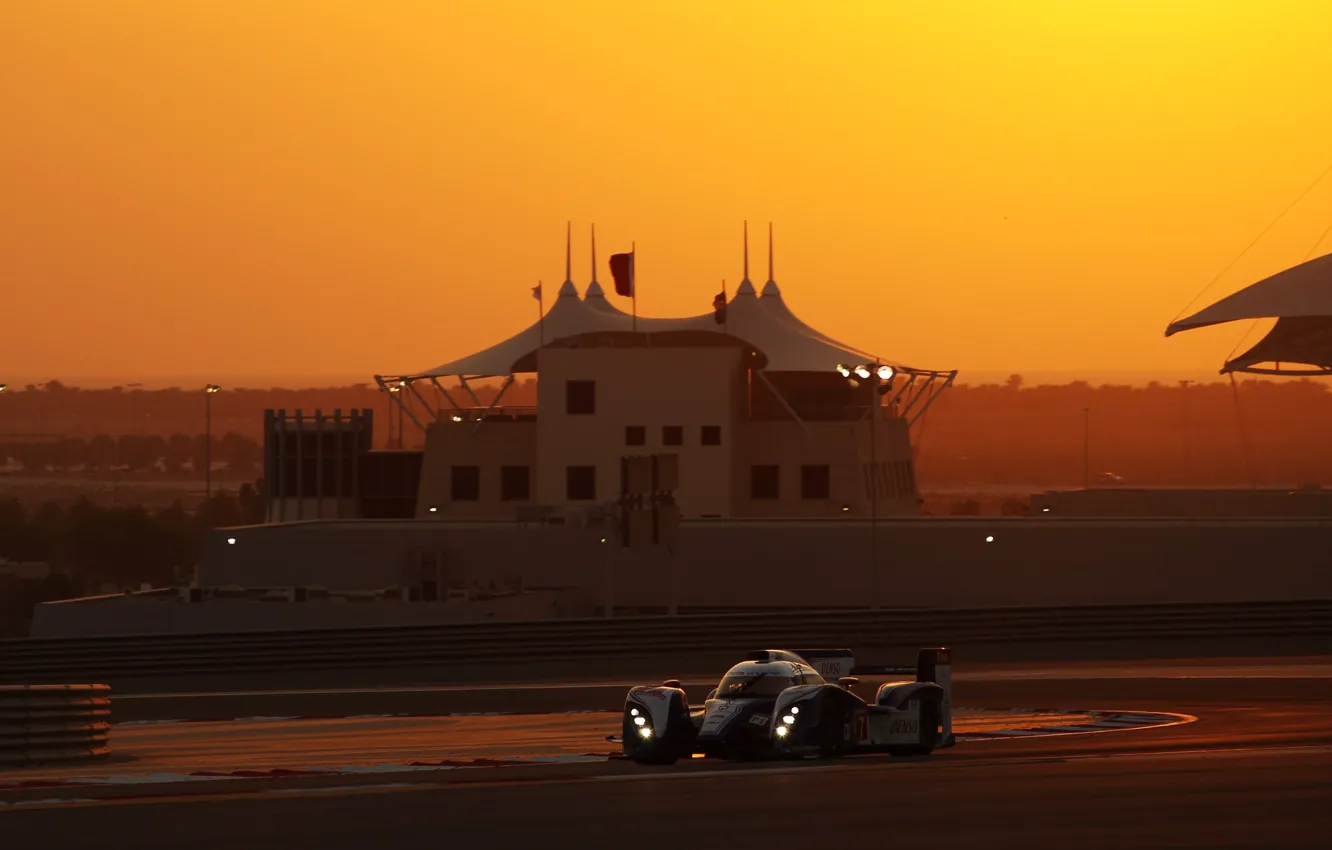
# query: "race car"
777 704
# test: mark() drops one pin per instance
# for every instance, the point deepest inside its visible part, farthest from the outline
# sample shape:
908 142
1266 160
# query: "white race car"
778 704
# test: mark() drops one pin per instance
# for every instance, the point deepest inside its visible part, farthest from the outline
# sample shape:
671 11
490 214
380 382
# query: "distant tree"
1014 382
101 453
241 454
178 451
69 453
251 497
966 507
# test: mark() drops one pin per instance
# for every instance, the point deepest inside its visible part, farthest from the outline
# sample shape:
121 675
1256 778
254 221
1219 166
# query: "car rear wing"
932 665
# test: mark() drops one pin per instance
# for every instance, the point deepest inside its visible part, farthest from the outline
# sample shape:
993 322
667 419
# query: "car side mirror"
712 693
671 683
848 682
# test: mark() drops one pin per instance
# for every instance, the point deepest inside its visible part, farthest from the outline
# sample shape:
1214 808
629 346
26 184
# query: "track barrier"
40 723
468 645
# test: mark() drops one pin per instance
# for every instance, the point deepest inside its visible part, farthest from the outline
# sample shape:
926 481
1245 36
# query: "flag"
622 269
719 307
536 292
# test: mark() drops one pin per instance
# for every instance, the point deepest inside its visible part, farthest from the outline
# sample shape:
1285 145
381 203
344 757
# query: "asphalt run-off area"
1209 753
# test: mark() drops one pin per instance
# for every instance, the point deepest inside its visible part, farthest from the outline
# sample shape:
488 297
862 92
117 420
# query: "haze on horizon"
283 188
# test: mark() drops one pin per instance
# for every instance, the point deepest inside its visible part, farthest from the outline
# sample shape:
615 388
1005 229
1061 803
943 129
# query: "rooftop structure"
1300 299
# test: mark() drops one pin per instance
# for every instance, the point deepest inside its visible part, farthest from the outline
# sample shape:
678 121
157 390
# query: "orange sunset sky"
322 188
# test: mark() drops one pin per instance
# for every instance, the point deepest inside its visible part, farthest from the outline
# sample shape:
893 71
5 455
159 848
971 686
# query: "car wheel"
929 733
832 721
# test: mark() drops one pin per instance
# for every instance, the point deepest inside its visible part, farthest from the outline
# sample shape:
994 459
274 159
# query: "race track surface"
1254 770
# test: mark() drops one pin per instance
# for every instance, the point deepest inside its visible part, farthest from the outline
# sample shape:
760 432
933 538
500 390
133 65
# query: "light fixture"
844 371
394 389
3 387
231 541
603 540
863 373
457 418
402 383
212 388
433 509
885 373
989 538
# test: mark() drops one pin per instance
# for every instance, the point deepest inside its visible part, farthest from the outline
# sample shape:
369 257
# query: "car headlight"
644 732
787 720
640 721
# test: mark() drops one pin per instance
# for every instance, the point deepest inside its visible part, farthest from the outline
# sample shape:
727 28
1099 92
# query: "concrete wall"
130 615
934 562
651 387
494 444
1166 502
845 448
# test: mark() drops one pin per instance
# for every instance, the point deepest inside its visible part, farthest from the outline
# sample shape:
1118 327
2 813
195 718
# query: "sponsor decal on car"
862 726
759 720
830 669
904 727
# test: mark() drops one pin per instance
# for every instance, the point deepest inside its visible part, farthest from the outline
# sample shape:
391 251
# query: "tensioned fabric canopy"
1300 299
766 323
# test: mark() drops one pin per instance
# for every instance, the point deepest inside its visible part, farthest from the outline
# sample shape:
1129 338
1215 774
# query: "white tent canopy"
765 323
1303 290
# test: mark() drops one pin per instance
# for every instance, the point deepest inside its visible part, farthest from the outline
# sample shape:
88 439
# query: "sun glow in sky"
342 187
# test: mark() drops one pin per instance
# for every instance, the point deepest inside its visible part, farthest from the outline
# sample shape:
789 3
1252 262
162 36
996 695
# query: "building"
749 398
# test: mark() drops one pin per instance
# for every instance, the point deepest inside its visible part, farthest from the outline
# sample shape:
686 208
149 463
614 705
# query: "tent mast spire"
568 253
746 280
594 253
771 282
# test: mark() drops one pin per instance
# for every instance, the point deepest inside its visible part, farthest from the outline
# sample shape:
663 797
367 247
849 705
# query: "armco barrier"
41 723
156 656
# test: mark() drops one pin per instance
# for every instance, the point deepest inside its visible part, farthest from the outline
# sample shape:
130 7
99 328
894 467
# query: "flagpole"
633 282
726 314
541 315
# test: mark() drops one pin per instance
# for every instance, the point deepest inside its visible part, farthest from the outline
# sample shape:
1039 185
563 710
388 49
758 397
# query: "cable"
1255 241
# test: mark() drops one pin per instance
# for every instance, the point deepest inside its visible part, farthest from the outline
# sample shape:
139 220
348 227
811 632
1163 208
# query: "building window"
815 481
580 398
635 435
764 482
465 483
581 483
515 483
672 435
710 435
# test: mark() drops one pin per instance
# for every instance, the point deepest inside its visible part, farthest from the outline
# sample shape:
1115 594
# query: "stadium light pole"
880 379
208 439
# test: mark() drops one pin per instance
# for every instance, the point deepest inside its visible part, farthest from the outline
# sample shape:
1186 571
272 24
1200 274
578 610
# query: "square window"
764 482
581 483
635 435
515 483
580 398
815 481
465 483
672 435
710 435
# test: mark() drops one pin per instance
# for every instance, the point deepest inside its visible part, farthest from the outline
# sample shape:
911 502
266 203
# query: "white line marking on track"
713 774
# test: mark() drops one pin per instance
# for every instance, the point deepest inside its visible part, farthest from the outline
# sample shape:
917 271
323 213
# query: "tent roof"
1303 340
771 300
765 323
1303 290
